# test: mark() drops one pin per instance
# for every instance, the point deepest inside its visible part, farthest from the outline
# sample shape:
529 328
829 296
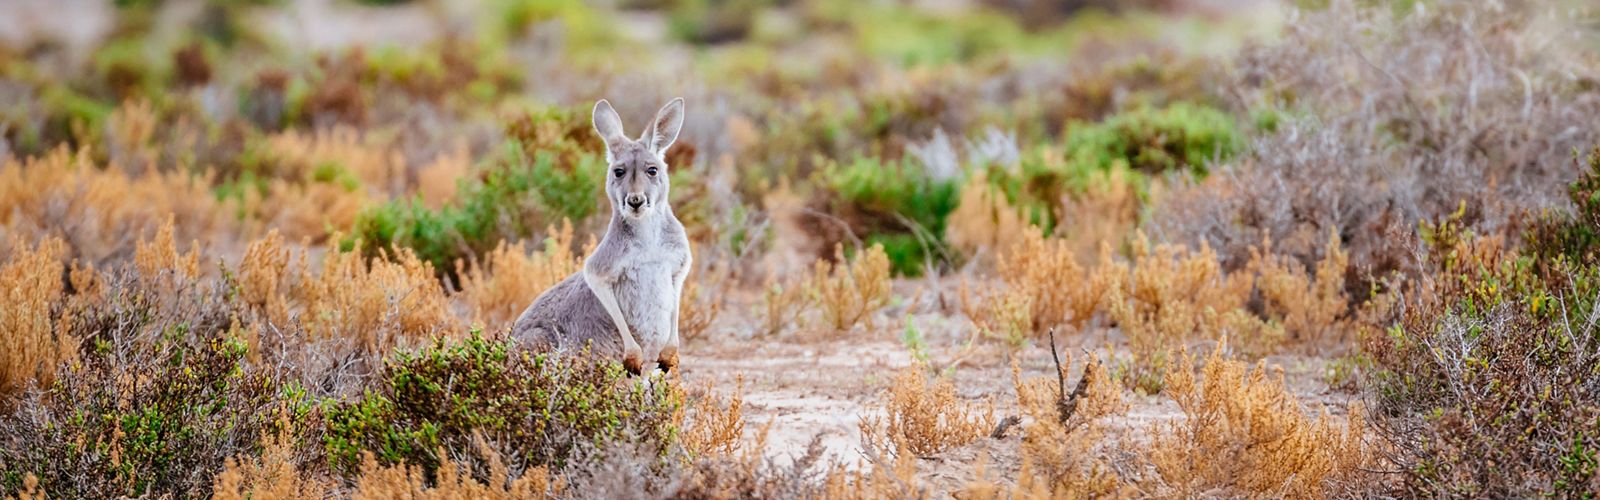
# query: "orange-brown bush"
714 429
1244 433
100 213
31 289
848 293
509 278
697 310
1312 309
376 304
317 184
1064 445
1005 314
924 418
379 303
782 304
1105 212
1169 296
1062 293
273 474
984 223
453 482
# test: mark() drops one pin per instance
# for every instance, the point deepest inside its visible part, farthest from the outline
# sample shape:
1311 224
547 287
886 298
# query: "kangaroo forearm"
605 292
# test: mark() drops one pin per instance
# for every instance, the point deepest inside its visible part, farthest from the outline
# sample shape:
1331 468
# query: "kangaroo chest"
648 296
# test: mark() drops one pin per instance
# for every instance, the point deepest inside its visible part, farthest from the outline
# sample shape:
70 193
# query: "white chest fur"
647 295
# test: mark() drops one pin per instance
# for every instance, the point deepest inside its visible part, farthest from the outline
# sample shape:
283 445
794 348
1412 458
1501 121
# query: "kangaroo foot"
668 360
633 363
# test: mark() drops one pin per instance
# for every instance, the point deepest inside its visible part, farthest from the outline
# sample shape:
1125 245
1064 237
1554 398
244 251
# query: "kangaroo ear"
664 129
608 125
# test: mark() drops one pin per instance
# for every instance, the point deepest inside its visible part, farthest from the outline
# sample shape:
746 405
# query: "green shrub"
1573 236
1490 383
512 198
535 409
161 395
1178 137
895 204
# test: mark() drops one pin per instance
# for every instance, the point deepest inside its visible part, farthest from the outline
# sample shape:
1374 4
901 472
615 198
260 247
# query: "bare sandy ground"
800 386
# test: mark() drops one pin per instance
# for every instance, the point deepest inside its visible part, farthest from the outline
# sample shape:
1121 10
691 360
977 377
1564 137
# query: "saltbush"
534 409
1181 136
1488 386
160 396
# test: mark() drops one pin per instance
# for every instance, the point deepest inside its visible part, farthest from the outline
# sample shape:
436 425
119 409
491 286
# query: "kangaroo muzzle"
635 201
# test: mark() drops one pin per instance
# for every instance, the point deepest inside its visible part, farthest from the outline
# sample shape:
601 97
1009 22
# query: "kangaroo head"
636 180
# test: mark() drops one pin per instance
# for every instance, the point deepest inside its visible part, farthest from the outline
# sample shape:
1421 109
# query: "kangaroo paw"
668 359
633 362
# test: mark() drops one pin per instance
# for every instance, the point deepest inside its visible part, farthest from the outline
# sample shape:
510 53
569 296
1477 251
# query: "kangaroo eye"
651 171
618 172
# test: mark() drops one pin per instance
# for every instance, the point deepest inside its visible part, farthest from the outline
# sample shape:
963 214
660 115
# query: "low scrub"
35 333
897 205
849 292
535 410
923 418
1243 432
160 396
1487 384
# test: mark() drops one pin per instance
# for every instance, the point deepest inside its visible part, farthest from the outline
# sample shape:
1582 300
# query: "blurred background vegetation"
1399 193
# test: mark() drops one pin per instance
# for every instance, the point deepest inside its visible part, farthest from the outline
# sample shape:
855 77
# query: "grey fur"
634 278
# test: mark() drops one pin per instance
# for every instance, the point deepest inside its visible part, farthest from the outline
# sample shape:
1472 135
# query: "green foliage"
164 396
513 198
1573 236
1178 137
895 204
1489 381
537 409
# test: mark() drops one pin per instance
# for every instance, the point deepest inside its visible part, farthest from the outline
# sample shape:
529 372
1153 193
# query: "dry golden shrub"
31 289
453 482
849 293
888 478
1106 212
311 211
158 258
31 490
984 221
265 277
269 476
319 183
1311 308
1001 313
924 418
1065 458
712 428
1044 287
437 181
782 304
510 277
129 129
100 213
1170 296
697 310
1244 432
331 154
379 302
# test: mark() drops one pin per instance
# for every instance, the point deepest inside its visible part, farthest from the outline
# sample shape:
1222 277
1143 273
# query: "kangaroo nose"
635 200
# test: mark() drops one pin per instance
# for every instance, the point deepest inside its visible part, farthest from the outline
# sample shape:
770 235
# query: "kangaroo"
625 300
